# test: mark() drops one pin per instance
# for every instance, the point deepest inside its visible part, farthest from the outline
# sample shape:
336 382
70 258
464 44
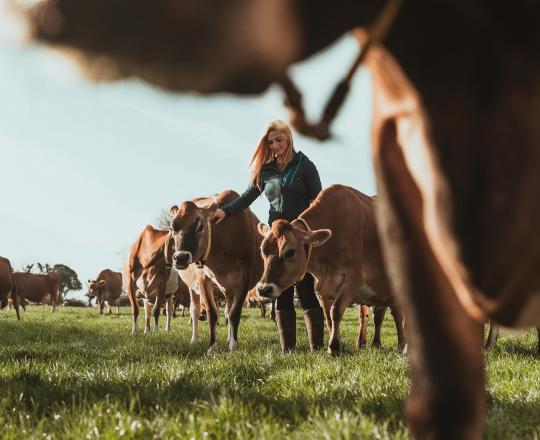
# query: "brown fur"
107 287
38 288
234 260
343 266
7 285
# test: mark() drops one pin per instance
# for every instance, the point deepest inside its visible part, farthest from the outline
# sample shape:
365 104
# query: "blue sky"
84 167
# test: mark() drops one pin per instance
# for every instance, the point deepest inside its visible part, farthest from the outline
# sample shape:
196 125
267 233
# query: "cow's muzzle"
268 290
182 259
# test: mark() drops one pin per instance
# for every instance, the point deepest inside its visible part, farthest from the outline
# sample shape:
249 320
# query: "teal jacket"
289 193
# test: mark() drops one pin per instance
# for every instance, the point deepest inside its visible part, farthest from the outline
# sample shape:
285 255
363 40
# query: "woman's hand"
219 215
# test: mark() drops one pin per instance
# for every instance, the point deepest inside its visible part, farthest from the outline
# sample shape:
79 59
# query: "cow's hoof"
334 349
212 349
233 345
194 341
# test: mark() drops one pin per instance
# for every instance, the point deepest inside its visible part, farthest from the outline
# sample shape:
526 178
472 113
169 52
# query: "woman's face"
277 142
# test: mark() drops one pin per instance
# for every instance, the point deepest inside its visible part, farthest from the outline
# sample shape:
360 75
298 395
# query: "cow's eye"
199 226
289 254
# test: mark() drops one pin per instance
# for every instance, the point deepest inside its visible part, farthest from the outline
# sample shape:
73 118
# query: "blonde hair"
262 153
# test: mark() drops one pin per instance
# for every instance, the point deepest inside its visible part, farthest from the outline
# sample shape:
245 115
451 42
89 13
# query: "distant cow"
38 288
228 252
106 288
336 240
7 285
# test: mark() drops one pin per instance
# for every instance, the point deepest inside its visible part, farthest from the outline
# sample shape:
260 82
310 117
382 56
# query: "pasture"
75 374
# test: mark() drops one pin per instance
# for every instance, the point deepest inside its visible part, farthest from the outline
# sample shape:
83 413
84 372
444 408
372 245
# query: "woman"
290 182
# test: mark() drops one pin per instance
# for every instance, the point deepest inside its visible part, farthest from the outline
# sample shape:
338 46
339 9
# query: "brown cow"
107 287
228 252
455 144
148 272
37 288
493 335
7 286
345 257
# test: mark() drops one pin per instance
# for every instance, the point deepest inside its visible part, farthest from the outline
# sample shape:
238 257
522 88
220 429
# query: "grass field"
75 374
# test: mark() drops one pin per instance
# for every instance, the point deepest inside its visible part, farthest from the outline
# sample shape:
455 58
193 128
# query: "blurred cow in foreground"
106 288
454 139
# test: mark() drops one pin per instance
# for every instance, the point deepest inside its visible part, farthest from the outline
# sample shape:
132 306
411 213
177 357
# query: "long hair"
262 153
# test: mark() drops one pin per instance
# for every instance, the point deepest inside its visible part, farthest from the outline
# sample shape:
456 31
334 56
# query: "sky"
84 167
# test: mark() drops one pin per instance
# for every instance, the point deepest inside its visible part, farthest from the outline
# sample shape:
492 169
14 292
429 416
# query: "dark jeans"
306 294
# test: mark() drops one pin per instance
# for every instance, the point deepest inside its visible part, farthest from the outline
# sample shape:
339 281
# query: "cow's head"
190 226
95 290
285 254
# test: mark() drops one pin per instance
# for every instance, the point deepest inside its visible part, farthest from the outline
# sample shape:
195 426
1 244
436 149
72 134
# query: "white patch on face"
274 293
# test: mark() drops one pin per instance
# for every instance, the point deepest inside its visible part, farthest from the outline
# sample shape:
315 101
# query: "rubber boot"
314 320
286 324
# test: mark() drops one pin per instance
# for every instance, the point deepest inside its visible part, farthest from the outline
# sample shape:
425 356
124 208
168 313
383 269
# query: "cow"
493 335
227 252
336 240
455 148
7 286
37 288
148 275
106 288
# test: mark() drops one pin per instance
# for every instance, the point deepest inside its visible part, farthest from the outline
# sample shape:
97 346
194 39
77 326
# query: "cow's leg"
378 319
207 291
15 301
194 312
110 308
101 307
493 335
273 311
397 314
234 317
448 386
147 311
169 305
156 310
343 299
363 318
326 305
262 305
132 295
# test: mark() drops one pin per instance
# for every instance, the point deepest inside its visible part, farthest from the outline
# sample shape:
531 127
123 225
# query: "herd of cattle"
245 262
454 140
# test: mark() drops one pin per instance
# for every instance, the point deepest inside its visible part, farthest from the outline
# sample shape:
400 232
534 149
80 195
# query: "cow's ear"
318 237
173 210
263 229
101 282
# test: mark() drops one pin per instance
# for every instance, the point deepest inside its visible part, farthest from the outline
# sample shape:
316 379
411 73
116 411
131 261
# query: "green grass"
75 374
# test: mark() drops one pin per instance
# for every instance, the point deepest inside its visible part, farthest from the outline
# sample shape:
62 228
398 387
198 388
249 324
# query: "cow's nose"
182 259
265 290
